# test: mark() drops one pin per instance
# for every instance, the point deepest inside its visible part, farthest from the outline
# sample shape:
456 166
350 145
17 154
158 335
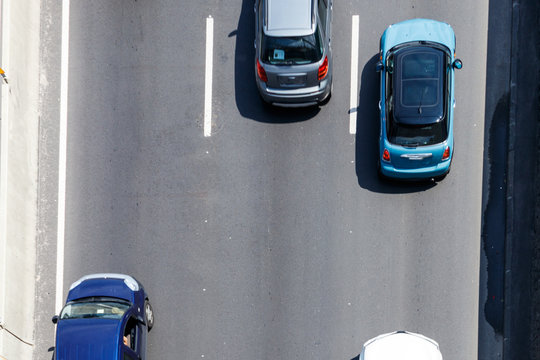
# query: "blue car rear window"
415 135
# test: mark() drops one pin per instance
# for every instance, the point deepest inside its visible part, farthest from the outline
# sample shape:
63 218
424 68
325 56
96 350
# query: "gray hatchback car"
293 56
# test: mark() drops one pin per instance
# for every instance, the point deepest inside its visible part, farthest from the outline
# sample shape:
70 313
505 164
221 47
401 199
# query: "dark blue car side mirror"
379 66
54 319
457 64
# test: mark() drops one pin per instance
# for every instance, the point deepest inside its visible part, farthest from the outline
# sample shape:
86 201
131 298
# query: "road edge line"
62 157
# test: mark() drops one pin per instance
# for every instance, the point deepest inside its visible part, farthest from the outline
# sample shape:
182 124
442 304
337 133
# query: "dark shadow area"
247 98
491 290
494 224
367 137
522 298
357 357
509 243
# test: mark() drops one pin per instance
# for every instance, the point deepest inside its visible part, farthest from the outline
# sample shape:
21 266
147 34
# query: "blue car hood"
87 339
418 30
102 287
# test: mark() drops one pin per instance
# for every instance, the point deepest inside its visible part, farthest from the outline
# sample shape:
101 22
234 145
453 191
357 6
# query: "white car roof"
401 345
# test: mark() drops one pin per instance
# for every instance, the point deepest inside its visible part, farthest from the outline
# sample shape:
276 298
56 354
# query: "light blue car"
417 63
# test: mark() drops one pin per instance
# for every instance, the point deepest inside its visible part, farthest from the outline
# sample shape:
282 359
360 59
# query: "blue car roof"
101 287
418 85
88 339
418 30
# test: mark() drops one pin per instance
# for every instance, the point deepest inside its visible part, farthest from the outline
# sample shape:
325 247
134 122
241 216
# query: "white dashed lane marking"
208 77
354 74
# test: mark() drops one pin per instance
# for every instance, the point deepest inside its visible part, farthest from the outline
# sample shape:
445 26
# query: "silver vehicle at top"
293 56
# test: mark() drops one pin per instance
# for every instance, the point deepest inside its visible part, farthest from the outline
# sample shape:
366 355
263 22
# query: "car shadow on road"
367 135
247 98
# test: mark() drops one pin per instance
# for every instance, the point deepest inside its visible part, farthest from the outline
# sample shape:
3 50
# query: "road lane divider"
208 77
353 109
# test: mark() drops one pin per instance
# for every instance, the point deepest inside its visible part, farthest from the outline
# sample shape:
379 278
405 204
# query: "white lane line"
354 74
60 242
4 113
208 77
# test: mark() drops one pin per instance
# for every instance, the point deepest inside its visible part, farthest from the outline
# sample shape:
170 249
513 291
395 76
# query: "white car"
401 345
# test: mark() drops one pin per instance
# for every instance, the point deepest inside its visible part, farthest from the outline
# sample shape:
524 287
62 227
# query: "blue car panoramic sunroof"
419 84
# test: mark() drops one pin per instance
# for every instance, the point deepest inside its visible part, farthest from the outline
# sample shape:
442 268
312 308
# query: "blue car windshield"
106 308
292 50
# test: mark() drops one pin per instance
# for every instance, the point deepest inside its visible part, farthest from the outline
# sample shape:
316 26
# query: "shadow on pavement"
367 135
247 98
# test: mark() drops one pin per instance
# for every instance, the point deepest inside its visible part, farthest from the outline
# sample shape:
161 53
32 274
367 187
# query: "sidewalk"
18 176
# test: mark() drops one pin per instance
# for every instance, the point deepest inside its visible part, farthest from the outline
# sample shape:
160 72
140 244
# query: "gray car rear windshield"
292 50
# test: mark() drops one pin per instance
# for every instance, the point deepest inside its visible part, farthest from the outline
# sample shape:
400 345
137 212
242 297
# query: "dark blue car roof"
102 287
88 339
419 85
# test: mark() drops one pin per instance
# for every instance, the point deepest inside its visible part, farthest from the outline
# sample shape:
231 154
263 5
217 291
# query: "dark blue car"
106 317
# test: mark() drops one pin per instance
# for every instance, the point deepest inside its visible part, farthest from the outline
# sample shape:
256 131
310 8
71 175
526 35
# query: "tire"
149 315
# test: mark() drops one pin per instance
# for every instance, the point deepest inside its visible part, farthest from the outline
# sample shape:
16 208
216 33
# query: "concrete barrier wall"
18 197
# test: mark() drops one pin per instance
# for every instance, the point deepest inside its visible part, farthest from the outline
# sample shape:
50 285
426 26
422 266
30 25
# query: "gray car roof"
289 18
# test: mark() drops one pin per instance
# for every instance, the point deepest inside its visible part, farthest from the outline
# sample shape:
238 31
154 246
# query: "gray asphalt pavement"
272 238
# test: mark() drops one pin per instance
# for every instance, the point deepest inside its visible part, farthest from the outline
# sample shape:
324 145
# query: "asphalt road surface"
272 238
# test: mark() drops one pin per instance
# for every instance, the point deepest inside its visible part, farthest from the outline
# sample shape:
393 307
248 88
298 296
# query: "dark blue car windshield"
105 308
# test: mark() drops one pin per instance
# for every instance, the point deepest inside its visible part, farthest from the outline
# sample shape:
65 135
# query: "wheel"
149 314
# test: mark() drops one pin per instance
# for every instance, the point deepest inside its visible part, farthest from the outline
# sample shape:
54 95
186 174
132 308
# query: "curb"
510 180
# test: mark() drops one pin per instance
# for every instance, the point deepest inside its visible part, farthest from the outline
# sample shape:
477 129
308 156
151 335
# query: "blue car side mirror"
379 67
54 319
457 64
